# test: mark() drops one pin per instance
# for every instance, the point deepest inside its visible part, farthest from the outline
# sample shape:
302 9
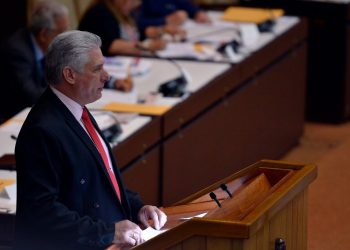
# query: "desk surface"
202 74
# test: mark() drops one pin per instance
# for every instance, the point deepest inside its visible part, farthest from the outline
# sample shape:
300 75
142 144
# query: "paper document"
136 108
251 15
6 182
150 233
119 67
9 192
187 50
196 216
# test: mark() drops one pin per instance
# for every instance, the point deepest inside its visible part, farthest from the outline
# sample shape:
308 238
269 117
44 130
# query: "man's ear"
69 75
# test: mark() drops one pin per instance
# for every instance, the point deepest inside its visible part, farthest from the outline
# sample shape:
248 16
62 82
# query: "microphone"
213 196
224 187
234 45
109 125
231 50
280 244
175 87
266 26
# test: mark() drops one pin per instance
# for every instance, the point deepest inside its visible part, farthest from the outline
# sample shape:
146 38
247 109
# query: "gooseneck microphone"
213 196
175 87
224 187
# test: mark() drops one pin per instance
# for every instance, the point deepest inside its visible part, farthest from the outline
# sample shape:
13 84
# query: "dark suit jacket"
153 13
21 80
101 21
65 199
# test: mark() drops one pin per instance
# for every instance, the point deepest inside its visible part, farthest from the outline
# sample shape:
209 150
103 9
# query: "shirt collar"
75 108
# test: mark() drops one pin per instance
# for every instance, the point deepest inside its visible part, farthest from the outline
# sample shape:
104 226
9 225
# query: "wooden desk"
138 159
254 110
328 88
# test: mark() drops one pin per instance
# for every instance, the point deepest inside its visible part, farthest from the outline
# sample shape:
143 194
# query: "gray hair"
70 48
45 14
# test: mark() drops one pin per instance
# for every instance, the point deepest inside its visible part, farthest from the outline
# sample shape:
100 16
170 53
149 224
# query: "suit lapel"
125 203
81 133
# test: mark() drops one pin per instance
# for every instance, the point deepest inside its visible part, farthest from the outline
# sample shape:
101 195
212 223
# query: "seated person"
22 77
169 12
112 20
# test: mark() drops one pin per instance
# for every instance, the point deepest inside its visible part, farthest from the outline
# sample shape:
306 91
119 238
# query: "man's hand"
202 17
152 213
127 234
176 18
124 85
175 31
156 44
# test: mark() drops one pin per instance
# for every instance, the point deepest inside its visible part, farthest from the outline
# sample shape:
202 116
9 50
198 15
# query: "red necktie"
93 134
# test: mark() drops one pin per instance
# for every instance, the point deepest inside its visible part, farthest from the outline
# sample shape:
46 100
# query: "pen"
14 137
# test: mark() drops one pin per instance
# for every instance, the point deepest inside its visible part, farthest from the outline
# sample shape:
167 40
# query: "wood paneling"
281 215
143 176
328 95
261 120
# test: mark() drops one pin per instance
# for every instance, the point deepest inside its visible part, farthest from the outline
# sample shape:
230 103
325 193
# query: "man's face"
89 84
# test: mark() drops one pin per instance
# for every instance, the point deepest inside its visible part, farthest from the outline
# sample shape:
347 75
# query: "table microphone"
224 187
175 87
213 196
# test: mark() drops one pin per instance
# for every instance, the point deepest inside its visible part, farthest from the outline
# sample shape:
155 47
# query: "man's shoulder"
20 37
46 110
18 43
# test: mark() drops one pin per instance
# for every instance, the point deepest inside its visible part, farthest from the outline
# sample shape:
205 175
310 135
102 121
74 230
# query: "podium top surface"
258 192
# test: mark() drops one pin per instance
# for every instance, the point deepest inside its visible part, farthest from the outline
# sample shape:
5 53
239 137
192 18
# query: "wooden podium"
269 203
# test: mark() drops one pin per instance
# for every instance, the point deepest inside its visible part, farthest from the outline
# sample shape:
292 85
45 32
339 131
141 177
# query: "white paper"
176 50
8 195
196 216
150 233
9 192
250 34
119 67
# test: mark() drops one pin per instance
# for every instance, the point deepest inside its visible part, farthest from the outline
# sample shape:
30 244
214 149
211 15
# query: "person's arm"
176 32
177 18
124 85
188 6
40 174
121 46
202 17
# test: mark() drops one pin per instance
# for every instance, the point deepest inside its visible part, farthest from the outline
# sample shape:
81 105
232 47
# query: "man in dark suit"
70 193
22 76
